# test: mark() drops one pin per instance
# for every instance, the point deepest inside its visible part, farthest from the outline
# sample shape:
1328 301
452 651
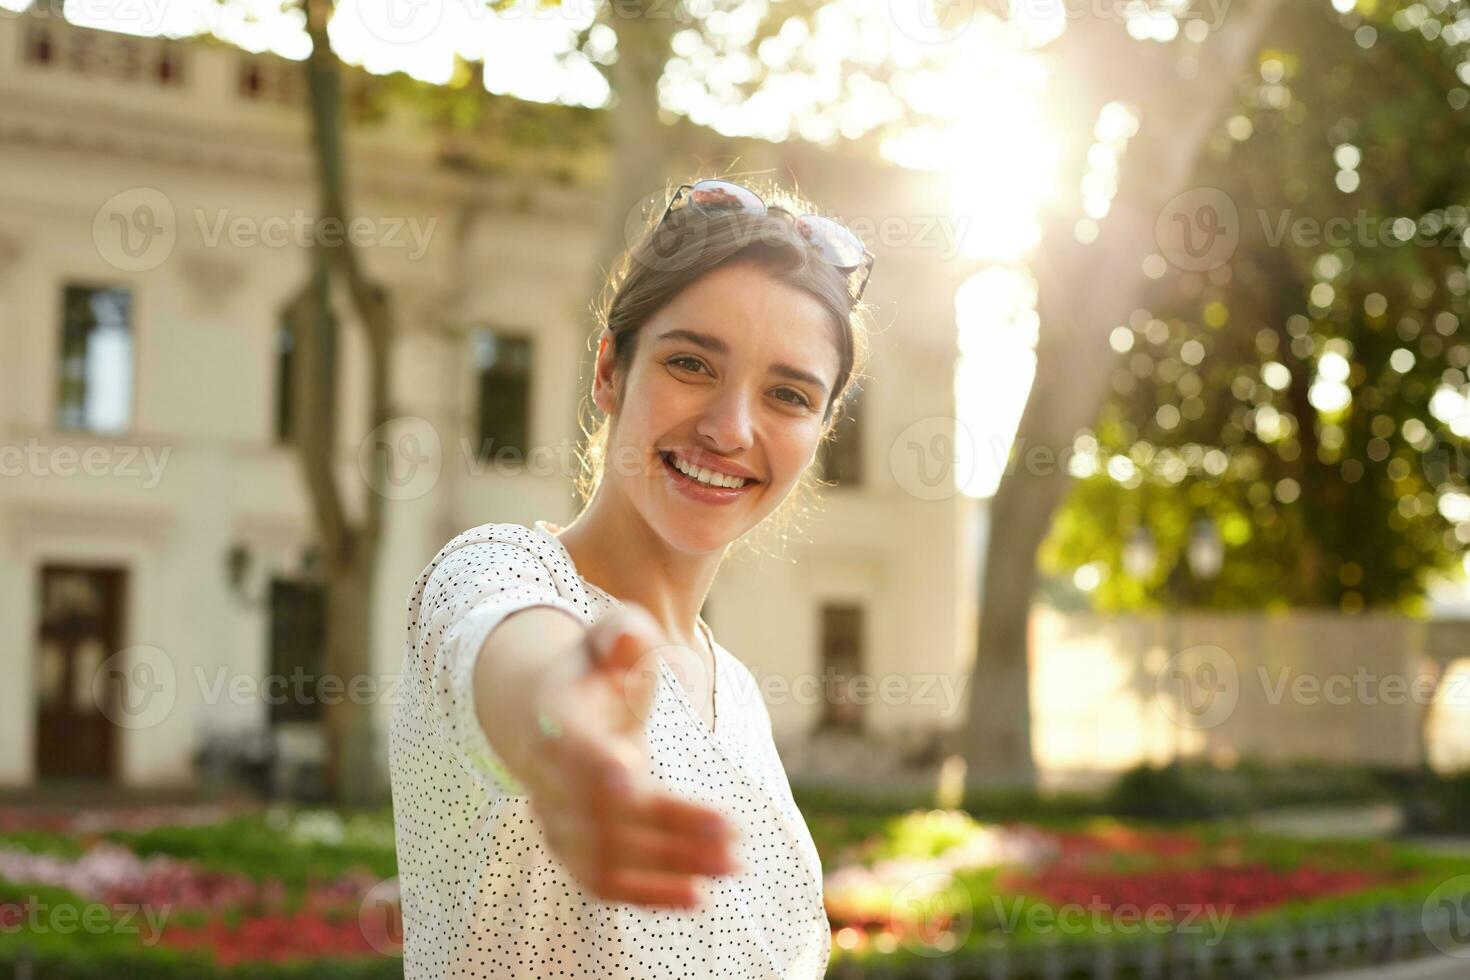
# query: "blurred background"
1131 634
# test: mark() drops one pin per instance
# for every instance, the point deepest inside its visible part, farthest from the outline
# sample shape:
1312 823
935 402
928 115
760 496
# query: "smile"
704 484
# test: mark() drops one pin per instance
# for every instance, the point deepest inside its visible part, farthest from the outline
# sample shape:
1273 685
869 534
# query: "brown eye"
799 400
684 359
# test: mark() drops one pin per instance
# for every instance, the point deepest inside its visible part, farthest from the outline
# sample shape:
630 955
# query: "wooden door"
81 626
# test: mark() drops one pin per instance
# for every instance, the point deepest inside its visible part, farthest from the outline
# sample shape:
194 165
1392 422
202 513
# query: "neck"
615 549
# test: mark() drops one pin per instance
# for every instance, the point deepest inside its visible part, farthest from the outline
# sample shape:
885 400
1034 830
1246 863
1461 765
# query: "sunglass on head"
836 243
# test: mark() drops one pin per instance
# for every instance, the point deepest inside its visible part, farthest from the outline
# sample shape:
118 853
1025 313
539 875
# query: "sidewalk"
1374 820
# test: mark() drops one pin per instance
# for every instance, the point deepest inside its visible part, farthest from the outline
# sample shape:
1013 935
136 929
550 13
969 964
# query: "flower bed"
936 883
271 894
284 894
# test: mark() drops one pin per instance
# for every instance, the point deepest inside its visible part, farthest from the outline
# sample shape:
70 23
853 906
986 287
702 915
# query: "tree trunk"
349 547
356 755
1083 292
639 153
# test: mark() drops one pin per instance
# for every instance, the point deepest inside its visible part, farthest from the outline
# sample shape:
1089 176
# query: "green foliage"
1441 805
1165 793
1286 395
283 846
43 842
926 833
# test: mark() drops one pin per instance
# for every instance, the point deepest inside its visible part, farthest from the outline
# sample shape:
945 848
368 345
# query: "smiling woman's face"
730 379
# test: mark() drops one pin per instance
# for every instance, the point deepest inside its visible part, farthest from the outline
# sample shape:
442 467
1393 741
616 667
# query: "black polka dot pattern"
482 896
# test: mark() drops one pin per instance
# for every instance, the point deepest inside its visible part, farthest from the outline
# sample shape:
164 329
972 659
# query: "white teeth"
706 476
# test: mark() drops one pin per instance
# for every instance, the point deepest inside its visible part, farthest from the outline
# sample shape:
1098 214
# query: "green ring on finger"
549 726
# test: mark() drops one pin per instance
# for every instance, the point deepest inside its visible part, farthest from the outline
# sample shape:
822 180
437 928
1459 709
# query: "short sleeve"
471 592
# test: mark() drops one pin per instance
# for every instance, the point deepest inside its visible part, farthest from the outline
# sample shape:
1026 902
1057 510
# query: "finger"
656 850
618 639
631 684
642 887
665 811
617 692
634 803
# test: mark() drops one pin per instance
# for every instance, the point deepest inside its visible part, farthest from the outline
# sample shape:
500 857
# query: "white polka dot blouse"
484 898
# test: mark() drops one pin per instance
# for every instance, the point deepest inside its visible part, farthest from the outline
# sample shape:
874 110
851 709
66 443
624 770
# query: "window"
842 663
298 649
285 360
95 389
40 48
266 80
503 374
106 57
840 458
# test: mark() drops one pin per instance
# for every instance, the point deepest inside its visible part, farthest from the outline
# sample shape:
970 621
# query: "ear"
604 394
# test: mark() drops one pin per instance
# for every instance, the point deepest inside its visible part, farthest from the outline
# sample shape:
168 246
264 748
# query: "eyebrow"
717 346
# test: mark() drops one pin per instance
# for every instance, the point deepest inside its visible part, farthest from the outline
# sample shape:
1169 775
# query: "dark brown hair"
663 261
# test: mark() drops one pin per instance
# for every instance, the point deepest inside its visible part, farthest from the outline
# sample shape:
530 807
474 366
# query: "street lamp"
241 572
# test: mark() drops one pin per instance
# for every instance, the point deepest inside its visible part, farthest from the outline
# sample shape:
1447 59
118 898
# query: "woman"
584 780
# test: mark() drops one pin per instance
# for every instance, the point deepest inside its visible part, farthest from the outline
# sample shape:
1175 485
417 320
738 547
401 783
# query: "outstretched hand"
624 838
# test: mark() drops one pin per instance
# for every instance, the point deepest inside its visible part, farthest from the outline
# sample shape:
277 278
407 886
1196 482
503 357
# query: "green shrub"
1169 793
1440 805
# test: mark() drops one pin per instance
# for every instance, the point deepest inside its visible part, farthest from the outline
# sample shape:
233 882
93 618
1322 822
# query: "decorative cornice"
87 130
26 521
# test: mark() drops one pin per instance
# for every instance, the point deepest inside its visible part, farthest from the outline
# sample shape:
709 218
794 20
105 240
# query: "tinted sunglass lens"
836 243
720 196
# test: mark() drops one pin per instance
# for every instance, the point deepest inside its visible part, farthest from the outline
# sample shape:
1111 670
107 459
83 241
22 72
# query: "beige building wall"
80 144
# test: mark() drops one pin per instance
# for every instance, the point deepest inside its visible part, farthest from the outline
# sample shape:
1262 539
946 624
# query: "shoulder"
514 535
503 564
506 541
509 550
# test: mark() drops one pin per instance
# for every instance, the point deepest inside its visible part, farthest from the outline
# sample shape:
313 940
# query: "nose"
727 422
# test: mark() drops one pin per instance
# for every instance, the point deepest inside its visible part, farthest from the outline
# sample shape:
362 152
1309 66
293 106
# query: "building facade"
157 589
